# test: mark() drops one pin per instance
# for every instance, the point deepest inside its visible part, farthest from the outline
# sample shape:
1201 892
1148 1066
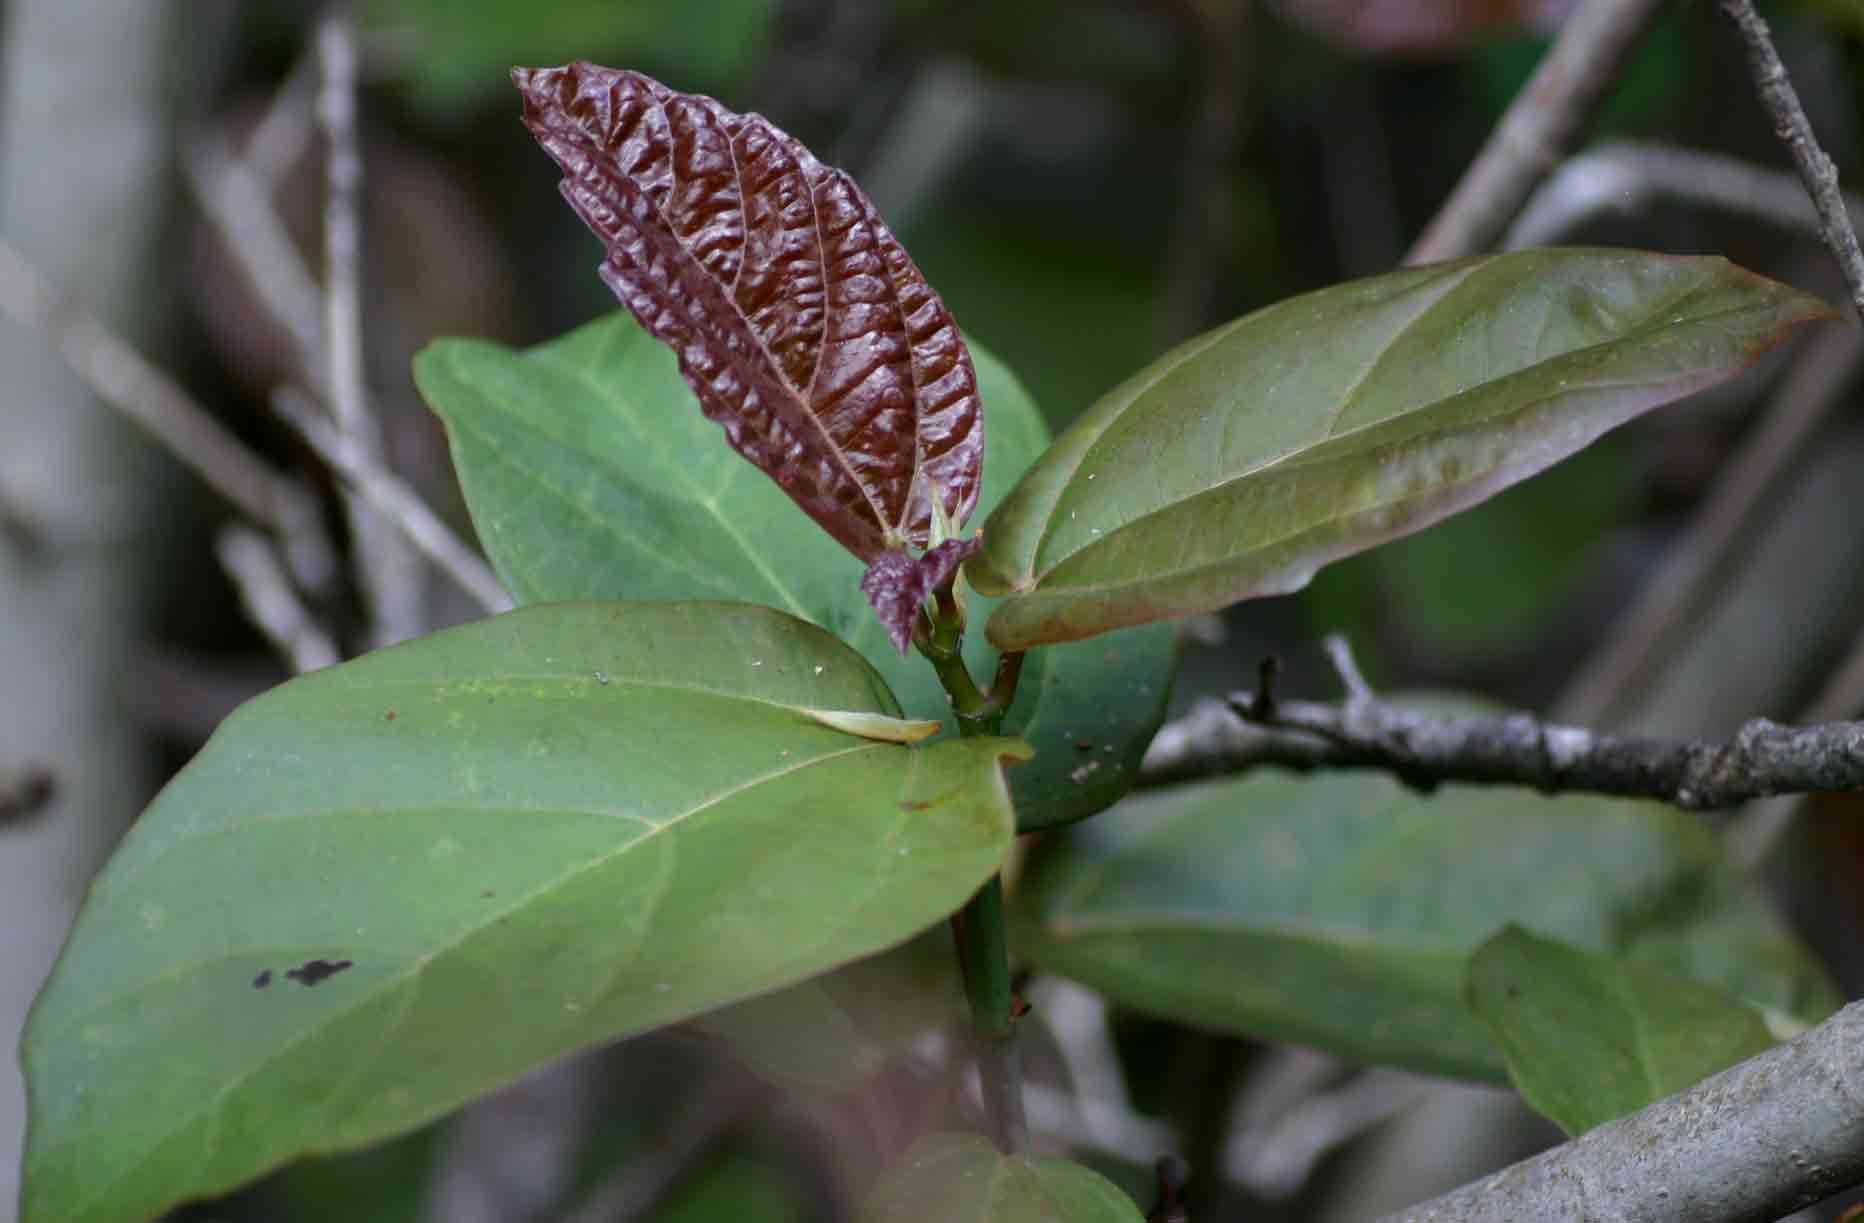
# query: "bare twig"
1622 178
1667 603
391 586
1534 133
1795 131
119 375
238 201
1275 1156
270 602
284 131
1753 1143
390 496
25 793
1425 750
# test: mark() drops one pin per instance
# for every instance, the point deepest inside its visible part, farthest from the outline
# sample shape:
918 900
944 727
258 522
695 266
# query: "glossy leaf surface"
1589 1038
800 322
389 886
962 1178
1245 459
591 476
1338 910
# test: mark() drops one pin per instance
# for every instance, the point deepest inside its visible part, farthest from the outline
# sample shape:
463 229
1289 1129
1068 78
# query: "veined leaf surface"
387 887
1338 910
962 1178
590 476
1239 463
800 321
1590 1037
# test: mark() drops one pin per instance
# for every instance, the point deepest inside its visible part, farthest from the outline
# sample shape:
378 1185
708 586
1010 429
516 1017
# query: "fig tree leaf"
1338 910
1241 462
389 886
590 476
800 322
962 1178
1589 1037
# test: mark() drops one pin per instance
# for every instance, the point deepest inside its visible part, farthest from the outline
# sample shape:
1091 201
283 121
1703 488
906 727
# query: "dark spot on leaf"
262 980
313 972
911 805
1082 745
1512 990
487 895
391 715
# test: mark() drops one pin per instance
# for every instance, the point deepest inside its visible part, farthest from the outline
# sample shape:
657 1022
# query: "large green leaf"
1590 1037
592 475
1245 459
961 1178
1338 909
386 887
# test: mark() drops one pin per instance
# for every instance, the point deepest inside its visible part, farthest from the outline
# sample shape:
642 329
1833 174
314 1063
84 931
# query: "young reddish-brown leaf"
799 320
898 585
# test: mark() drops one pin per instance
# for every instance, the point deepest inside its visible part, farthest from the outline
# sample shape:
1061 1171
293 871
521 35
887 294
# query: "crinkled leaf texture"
800 322
1248 457
1338 910
590 476
1590 1037
389 886
962 1178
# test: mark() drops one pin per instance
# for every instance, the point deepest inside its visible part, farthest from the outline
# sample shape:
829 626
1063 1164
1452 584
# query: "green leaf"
591 474
1337 910
1590 1037
1245 459
961 1178
389 886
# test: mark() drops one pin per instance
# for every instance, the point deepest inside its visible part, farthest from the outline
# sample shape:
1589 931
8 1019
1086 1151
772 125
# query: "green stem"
978 928
984 956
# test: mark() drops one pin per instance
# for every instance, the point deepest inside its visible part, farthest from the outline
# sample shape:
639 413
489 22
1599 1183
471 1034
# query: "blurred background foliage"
1087 182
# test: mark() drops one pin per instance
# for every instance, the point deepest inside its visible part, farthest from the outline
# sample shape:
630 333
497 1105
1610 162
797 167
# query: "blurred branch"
25 793
1618 179
1748 1145
1795 131
1200 232
284 131
118 375
1667 603
1426 750
238 201
273 606
390 496
1536 129
390 585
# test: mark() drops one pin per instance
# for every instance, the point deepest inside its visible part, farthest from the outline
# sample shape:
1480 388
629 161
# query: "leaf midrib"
1039 573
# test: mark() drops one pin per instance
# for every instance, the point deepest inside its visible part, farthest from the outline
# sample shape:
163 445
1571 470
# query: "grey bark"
85 93
1748 1145
1426 750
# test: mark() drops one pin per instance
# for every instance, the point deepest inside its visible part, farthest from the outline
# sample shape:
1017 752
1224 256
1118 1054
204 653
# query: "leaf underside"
389 886
1247 458
1339 910
800 322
